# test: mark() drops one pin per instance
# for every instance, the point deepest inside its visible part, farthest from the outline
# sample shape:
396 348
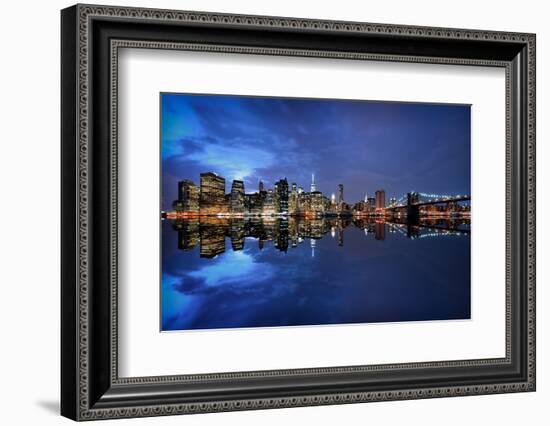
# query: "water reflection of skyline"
231 273
210 233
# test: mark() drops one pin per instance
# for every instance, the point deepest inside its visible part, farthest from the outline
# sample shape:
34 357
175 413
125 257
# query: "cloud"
234 159
235 272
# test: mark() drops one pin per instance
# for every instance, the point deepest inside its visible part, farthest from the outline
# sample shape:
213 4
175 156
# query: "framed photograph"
263 212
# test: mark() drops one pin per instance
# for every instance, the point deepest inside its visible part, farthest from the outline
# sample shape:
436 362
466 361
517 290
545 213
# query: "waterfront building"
360 208
340 204
293 200
327 206
380 197
188 197
313 186
316 203
371 203
237 203
303 202
254 204
270 207
227 203
346 210
212 194
281 194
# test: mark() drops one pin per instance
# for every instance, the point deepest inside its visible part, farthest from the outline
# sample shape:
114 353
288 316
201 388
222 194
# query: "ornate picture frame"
91 37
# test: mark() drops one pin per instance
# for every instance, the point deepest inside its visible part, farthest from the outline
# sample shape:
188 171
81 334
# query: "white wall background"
29 212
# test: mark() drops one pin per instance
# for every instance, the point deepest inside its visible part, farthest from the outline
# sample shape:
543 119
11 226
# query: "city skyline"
308 187
367 145
210 198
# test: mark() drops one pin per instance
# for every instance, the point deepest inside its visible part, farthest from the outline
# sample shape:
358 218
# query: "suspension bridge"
411 202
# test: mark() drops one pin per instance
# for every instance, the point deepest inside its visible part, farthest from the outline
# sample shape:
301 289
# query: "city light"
210 233
283 200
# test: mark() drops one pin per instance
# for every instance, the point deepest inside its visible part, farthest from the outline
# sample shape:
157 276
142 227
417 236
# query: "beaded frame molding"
91 39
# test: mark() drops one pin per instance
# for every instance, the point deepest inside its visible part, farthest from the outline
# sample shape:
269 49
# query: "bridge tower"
413 211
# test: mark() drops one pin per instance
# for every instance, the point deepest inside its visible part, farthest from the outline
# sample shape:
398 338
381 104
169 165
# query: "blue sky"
364 145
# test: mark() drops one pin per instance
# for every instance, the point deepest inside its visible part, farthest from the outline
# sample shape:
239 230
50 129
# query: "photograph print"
280 212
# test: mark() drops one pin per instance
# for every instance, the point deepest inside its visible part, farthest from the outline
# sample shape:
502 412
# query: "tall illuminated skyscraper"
188 197
281 192
293 200
313 186
212 193
237 197
380 199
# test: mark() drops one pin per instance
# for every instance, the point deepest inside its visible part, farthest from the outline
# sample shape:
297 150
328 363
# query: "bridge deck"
432 202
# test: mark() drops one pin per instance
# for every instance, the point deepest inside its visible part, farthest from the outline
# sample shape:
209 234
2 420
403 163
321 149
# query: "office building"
281 189
188 197
212 194
237 203
380 197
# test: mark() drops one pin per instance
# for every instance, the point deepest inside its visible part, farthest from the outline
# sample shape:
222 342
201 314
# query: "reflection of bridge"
411 202
428 229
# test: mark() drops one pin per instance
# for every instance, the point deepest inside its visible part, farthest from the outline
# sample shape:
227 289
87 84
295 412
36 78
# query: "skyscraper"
293 200
237 197
212 196
270 204
371 202
188 197
254 203
281 188
313 186
316 204
380 196
340 206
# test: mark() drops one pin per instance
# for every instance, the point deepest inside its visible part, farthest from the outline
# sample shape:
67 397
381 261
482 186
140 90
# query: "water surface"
231 273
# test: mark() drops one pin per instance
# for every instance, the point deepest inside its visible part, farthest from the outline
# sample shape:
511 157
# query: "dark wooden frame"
90 386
